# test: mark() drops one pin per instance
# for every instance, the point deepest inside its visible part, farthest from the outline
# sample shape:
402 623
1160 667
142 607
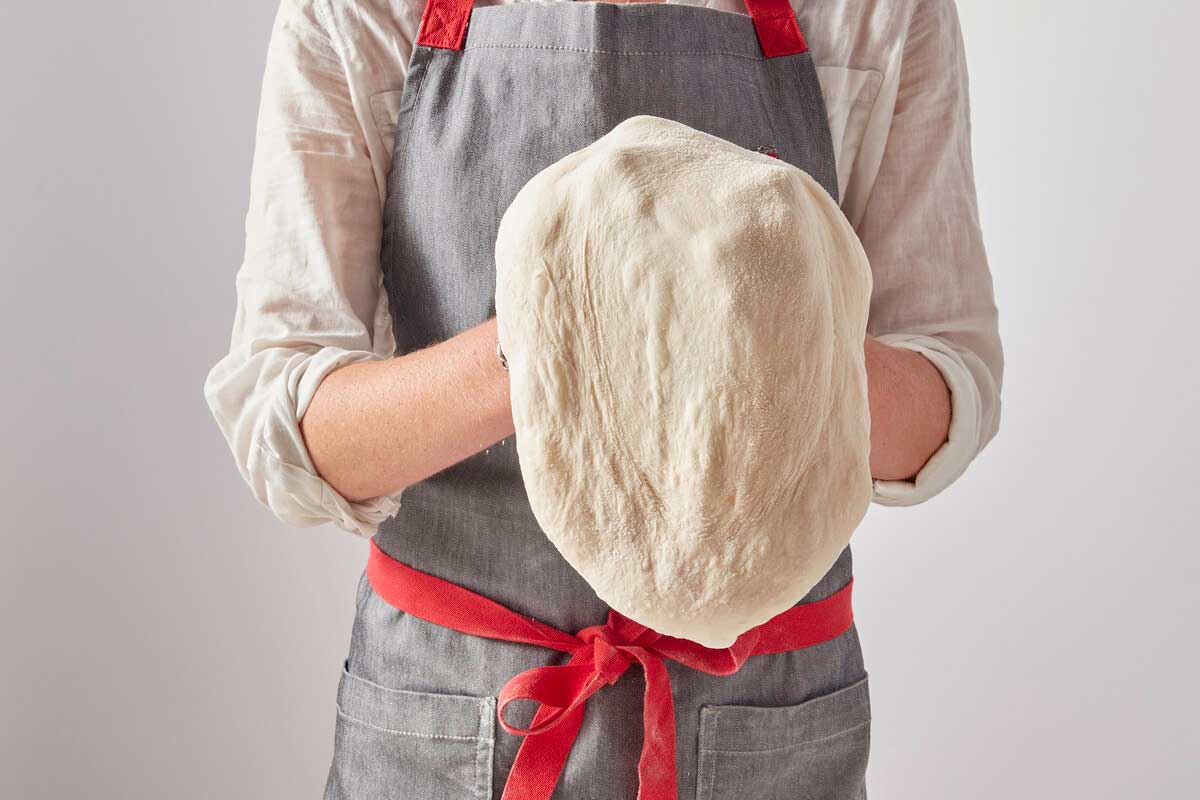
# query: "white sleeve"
309 290
920 229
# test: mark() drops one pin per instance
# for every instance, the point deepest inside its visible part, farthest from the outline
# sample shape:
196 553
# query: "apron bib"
463 590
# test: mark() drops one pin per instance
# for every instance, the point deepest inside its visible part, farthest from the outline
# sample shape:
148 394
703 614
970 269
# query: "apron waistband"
444 25
600 654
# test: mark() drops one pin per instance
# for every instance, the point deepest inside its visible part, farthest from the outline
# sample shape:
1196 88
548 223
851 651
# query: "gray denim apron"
417 701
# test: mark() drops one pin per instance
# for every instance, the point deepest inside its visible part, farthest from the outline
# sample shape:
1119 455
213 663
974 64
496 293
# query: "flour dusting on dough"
683 321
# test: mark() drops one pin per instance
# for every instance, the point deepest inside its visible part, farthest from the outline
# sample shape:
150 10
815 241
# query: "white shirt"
310 295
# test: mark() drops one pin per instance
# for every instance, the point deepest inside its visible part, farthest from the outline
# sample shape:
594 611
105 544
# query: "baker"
482 664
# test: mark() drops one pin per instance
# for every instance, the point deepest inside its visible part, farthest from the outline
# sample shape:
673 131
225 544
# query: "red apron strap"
778 32
444 25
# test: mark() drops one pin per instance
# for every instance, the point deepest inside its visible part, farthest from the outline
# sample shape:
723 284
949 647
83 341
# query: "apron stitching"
401 157
414 734
484 749
708 775
615 52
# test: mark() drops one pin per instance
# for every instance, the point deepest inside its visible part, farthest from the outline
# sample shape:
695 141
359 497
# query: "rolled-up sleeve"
309 289
920 228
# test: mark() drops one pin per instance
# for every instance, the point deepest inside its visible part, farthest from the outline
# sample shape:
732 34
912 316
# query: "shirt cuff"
962 443
310 499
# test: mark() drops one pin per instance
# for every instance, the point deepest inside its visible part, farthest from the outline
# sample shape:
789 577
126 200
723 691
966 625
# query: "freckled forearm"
376 427
910 410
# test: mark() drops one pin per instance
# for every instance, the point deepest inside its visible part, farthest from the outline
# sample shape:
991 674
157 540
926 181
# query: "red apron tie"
600 654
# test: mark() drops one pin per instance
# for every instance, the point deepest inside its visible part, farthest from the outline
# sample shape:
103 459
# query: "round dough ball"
684 321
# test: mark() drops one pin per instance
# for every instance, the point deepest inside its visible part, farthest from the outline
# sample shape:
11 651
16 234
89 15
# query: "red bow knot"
603 655
610 662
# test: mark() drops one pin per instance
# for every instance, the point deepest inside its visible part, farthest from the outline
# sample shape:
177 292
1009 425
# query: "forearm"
910 410
376 427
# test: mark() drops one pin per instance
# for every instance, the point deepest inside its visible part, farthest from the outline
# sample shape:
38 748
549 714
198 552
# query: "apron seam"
501 46
396 732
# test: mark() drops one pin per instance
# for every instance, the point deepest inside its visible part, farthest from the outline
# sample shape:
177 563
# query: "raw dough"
683 321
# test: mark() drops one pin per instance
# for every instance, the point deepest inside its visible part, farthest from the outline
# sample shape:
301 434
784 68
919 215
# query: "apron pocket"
396 743
816 750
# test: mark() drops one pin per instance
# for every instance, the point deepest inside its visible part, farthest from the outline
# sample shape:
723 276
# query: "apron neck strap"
444 25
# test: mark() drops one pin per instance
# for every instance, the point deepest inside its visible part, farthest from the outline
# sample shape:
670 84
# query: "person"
362 385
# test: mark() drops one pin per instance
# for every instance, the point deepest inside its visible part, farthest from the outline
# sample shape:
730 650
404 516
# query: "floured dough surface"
683 321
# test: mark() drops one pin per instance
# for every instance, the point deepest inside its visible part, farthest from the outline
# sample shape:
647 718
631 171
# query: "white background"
1029 633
